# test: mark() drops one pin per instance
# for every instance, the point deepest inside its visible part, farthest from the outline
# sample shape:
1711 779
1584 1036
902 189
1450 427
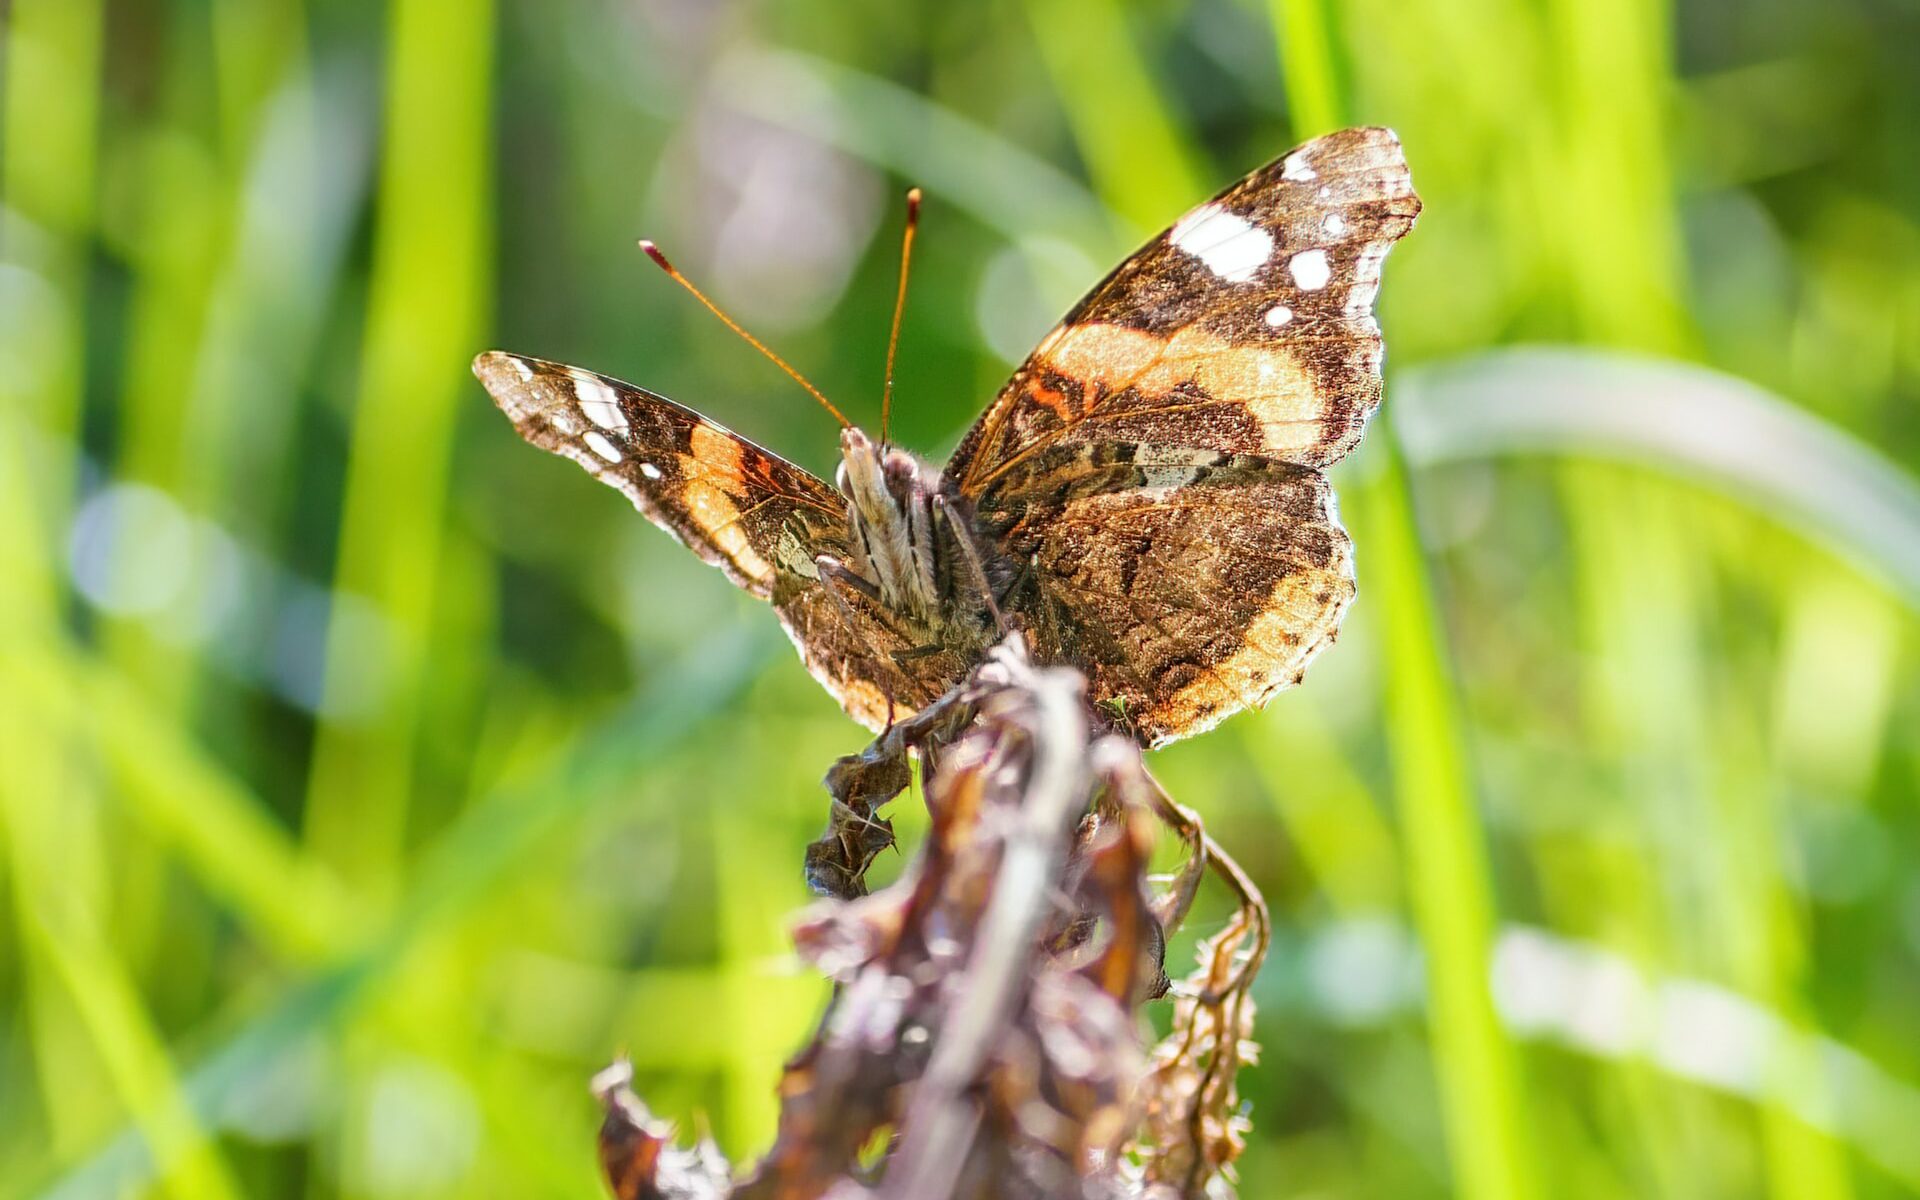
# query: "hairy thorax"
911 552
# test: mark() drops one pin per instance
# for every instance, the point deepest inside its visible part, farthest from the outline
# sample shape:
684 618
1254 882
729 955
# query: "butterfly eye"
900 468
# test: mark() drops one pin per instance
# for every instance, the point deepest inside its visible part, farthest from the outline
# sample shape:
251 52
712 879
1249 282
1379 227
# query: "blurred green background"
368 778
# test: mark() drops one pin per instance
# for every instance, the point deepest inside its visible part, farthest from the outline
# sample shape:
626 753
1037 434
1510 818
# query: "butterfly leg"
836 575
976 564
926 651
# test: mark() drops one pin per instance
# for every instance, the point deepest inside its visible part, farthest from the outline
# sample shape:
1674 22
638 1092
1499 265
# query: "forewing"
1187 584
756 516
728 500
1246 328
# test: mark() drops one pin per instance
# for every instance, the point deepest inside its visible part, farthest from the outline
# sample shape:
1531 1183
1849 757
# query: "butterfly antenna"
673 272
899 306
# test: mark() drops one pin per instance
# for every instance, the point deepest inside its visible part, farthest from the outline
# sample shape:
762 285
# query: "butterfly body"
890 511
1144 499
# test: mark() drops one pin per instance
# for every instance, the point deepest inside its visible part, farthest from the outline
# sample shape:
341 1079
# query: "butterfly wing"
1151 472
756 516
1187 585
1247 327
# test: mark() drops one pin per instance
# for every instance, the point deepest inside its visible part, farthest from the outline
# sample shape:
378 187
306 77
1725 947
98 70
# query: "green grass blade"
1308 64
50 91
52 99
1145 166
1684 420
187 1165
1448 880
1449 883
465 865
55 858
192 807
426 315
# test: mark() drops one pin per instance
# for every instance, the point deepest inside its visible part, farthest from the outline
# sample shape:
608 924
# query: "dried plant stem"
1205 853
984 1015
941 1121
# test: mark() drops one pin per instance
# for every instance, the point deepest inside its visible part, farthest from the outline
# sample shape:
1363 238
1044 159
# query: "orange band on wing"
1266 380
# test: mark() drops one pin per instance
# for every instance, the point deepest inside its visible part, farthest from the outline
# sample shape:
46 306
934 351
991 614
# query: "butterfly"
1144 500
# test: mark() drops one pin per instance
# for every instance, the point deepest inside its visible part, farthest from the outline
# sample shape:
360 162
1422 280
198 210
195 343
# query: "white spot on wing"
1310 269
601 446
1279 315
525 372
1335 224
598 401
563 420
1294 166
1231 246
650 471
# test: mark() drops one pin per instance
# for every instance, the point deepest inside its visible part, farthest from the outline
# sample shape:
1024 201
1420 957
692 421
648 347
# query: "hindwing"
1187 584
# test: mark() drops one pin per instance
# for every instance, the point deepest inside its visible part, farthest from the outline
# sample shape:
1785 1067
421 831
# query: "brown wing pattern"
1151 474
1148 483
1187 584
746 510
1247 327
726 499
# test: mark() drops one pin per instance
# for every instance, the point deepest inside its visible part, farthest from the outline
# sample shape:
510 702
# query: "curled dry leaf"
1193 1128
638 1153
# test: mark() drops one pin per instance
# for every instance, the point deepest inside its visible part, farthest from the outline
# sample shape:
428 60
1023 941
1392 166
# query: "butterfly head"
879 481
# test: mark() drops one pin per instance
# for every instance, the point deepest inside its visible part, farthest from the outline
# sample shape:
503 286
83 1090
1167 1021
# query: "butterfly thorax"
890 514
